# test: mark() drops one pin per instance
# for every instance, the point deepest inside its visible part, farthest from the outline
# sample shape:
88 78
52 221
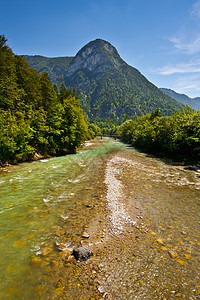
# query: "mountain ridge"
192 102
109 89
54 66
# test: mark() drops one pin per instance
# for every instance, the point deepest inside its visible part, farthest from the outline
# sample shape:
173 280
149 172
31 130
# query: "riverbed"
137 213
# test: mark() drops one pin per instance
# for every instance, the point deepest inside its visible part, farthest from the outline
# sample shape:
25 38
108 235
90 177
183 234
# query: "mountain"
192 102
56 67
109 89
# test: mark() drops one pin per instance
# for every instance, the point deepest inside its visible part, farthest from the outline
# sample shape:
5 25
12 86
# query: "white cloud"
184 77
190 47
196 9
183 68
188 41
188 85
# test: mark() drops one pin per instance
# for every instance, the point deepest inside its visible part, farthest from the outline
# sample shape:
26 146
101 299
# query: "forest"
176 136
110 91
36 117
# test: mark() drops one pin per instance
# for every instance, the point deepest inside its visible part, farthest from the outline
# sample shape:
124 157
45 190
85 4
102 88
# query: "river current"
138 214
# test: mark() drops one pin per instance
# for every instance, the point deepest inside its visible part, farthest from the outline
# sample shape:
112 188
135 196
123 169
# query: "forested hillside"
110 91
34 116
192 102
56 67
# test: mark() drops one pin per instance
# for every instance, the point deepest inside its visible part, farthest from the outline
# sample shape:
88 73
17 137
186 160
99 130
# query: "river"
137 213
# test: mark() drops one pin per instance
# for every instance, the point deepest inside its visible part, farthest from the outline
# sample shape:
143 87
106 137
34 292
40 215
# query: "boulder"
82 253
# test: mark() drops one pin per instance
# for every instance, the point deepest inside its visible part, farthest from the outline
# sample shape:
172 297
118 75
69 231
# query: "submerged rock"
35 261
82 253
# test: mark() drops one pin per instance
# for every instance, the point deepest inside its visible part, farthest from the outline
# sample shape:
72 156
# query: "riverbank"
136 213
134 233
187 161
147 249
175 136
38 156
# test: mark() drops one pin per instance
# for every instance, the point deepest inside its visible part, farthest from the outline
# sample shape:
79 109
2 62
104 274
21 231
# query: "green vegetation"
56 67
34 116
37 117
121 93
110 91
192 102
176 136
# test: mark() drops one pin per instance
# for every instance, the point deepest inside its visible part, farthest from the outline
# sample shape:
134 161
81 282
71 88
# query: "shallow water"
34 197
159 259
46 205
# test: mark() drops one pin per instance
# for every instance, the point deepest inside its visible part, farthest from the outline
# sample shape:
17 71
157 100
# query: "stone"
160 241
172 254
35 261
152 233
46 251
82 253
183 232
193 168
70 258
164 248
181 262
19 243
85 235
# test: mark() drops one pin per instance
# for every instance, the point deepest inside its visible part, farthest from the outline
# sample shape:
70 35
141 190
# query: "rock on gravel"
82 253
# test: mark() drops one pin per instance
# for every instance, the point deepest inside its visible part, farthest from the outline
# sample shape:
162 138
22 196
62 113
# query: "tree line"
36 117
176 136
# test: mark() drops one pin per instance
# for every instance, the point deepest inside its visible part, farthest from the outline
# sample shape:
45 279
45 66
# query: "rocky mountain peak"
109 89
96 57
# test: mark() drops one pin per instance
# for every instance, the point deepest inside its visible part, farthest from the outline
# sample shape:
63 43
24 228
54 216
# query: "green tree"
34 117
156 113
64 93
10 93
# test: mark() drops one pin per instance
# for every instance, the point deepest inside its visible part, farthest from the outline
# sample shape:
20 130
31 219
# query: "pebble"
85 235
183 232
36 261
172 254
160 241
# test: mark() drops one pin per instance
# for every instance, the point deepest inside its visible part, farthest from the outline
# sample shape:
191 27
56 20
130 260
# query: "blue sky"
161 38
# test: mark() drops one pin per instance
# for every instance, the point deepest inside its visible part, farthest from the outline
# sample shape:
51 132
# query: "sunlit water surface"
36 197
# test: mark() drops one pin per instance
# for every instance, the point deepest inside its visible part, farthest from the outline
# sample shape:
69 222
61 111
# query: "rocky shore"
124 234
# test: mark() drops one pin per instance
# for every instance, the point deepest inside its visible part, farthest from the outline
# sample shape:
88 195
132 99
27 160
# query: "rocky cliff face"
95 58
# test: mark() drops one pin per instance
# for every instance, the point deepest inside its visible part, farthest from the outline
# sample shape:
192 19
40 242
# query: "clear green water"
36 197
33 198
